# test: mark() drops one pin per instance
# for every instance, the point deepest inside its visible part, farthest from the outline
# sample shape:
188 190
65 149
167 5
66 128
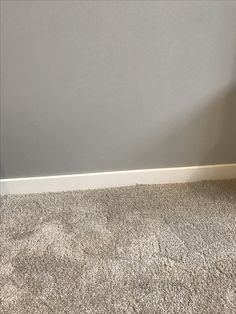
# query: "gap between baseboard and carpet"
110 179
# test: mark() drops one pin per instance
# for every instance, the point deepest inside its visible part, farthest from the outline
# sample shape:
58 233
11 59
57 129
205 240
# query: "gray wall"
96 86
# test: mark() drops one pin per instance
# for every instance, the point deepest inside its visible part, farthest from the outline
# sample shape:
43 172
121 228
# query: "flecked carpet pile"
140 249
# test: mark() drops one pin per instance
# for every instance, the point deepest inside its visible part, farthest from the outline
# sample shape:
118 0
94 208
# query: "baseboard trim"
116 179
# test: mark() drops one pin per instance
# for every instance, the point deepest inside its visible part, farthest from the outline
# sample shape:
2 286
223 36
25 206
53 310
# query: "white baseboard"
116 179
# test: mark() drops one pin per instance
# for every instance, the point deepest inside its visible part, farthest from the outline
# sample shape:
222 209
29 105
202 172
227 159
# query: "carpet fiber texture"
141 249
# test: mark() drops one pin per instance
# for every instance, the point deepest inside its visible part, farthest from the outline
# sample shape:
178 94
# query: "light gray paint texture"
92 86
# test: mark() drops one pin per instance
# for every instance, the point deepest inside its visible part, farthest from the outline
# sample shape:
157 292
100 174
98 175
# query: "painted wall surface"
92 86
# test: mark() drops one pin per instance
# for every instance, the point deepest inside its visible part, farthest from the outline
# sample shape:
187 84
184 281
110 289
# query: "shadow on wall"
222 127
207 136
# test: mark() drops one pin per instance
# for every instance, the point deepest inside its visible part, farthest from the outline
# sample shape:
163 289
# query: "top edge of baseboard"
108 179
119 172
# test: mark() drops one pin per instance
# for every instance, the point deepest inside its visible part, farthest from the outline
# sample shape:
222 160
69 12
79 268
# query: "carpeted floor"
141 249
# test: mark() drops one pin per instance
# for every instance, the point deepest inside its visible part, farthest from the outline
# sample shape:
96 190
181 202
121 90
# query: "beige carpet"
142 249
